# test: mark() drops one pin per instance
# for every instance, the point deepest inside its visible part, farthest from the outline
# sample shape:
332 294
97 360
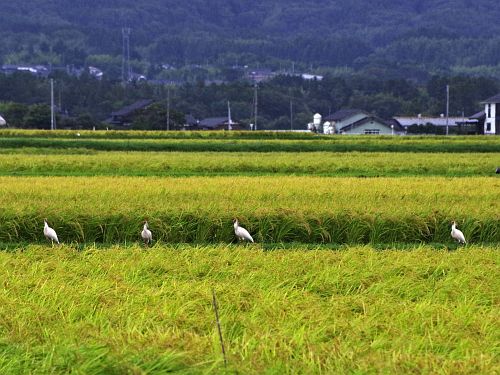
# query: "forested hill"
457 35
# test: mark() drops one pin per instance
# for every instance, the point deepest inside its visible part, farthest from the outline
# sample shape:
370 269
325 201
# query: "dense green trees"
84 102
393 36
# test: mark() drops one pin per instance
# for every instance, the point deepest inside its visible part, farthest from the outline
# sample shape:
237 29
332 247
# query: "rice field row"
243 144
36 162
126 310
274 209
257 135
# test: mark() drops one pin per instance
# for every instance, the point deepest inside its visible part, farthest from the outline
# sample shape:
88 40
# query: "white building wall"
490 119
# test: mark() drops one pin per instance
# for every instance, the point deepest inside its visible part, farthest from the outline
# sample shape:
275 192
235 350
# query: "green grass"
36 162
357 310
306 298
245 142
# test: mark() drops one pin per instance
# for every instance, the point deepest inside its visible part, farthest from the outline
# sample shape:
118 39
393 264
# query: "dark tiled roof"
190 120
212 122
343 114
478 116
132 108
493 99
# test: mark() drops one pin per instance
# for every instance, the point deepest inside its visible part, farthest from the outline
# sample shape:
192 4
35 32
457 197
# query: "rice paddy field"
353 269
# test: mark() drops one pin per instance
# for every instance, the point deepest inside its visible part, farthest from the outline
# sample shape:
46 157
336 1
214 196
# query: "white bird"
146 234
50 233
457 233
241 232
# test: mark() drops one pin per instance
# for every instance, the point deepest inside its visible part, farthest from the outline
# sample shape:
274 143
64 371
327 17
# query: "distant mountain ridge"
460 35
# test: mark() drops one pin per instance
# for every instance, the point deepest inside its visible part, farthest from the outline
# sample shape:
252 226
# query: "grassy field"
60 162
357 310
243 142
354 270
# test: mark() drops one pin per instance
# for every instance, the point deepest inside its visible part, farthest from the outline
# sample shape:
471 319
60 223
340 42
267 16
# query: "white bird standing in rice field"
457 233
146 234
50 233
241 232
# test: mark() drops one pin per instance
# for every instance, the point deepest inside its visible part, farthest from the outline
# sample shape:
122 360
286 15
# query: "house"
190 122
311 77
217 123
356 121
492 115
436 125
36 70
125 115
260 75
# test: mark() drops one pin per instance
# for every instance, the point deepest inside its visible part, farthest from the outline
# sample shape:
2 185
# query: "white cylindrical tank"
2 121
327 128
317 120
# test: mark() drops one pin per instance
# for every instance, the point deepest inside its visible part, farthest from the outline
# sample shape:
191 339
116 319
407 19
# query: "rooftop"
132 108
436 121
494 99
343 114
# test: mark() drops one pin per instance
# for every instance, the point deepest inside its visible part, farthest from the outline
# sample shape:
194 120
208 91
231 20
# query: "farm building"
437 125
355 121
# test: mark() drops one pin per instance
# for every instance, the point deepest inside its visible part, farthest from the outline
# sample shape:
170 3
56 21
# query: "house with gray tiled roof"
125 115
218 123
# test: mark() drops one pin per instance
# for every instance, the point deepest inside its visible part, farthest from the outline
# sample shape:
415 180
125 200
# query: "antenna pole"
126 72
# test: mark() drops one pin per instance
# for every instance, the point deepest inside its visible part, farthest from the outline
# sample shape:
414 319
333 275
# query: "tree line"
284 102
436 36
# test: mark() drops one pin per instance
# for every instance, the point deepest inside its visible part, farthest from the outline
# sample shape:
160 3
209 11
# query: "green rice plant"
20 162
245 142
274 209
357 310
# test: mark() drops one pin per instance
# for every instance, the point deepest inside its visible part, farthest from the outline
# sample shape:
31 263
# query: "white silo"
317 122
327 128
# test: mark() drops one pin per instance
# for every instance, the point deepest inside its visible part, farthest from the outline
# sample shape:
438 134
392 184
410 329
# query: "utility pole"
255 105
291 114
168 108
52 114
229 127
125 54
447 107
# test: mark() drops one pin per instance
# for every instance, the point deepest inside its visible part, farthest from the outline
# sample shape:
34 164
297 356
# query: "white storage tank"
317 122
327 128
